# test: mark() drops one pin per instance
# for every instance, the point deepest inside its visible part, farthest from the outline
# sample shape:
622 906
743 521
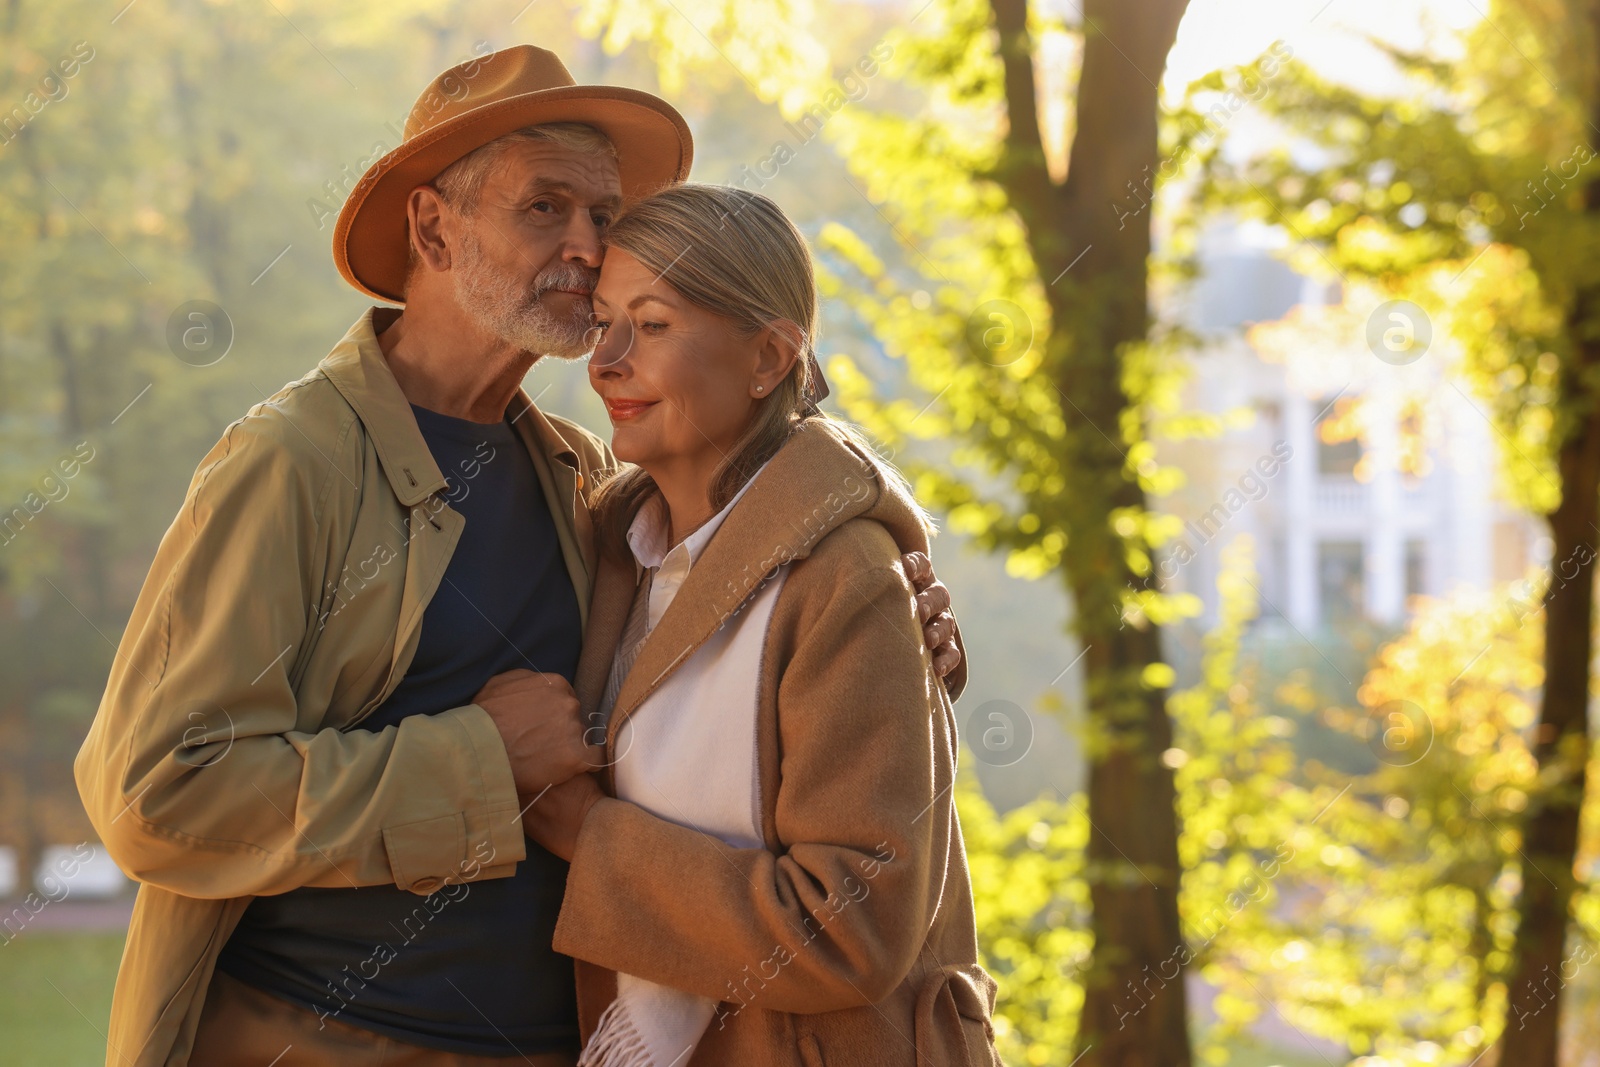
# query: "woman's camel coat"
849 940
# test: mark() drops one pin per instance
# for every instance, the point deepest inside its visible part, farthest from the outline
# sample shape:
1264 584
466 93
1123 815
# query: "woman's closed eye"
597 323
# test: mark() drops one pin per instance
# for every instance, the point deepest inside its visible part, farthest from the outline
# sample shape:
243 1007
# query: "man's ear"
778 345
426 214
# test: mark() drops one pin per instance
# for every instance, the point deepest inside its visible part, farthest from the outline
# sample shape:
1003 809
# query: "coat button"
426 885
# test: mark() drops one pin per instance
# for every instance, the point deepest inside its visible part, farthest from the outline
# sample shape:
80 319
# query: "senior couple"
443 733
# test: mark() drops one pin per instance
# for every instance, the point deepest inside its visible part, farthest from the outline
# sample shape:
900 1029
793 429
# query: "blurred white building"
1389 488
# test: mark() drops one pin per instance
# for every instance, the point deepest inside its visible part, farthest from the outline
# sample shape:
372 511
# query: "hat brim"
654 150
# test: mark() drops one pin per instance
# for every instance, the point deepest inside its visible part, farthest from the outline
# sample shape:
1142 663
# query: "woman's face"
678 382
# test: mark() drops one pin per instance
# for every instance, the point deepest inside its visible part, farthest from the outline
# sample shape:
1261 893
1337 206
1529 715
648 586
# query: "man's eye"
542 205
601 221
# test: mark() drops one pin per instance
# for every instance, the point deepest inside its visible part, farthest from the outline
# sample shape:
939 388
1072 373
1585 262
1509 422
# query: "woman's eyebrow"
596 298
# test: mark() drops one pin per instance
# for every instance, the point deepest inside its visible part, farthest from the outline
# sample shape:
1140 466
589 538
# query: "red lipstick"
621 409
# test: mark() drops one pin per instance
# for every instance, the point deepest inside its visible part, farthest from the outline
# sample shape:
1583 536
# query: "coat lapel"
814 483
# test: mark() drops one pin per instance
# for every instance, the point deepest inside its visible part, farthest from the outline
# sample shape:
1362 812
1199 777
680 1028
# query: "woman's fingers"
933 601
939 630
932 596
933 611
918 568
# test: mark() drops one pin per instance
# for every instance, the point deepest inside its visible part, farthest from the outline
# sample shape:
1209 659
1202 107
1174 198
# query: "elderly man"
340 674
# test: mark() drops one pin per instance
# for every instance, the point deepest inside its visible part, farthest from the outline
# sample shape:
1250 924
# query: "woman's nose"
610 357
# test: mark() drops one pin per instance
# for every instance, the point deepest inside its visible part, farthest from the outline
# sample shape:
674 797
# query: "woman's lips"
620 410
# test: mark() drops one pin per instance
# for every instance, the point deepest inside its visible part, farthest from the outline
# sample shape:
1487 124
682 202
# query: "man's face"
528 257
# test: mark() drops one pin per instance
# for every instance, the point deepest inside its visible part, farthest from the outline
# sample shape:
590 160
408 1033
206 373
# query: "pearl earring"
760 388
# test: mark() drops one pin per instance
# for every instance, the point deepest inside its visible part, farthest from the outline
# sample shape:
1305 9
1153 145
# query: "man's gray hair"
461 183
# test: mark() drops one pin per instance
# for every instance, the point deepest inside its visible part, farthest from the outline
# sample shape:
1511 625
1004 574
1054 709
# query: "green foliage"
966 310
771 44
1377 910
1032 904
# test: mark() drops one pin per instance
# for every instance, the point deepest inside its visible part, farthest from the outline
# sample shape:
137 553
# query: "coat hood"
818 481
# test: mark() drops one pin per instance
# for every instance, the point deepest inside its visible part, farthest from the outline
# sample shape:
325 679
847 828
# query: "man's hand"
554 819
537 716
933 609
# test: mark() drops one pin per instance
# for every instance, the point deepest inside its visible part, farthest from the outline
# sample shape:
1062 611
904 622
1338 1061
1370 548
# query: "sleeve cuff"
583 909
495 842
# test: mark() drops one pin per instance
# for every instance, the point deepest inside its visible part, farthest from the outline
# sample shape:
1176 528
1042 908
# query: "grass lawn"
55 997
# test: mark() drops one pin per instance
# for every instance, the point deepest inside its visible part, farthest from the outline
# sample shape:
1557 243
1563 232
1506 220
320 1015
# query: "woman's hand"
933 610
555 816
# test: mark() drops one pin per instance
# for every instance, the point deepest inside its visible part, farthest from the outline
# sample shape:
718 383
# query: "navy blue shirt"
468 968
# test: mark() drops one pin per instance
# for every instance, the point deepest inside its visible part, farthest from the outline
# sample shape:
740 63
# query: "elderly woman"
773 872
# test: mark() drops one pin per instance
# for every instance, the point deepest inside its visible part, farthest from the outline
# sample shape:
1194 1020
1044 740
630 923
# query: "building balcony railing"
1341 496
1346 496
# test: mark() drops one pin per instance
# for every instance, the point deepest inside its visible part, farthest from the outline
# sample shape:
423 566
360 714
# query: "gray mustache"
566 276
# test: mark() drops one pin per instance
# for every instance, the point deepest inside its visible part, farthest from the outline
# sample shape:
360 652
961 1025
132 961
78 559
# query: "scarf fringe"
616 1041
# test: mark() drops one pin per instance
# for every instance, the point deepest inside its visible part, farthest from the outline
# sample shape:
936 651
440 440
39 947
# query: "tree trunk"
1561 743
1550 835
1093 260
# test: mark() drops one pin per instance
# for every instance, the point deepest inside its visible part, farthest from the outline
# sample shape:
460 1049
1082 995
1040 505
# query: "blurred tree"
1045 371
1048 386
1476 197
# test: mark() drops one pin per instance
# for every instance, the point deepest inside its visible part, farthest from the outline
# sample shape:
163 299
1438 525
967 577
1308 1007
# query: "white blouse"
688 752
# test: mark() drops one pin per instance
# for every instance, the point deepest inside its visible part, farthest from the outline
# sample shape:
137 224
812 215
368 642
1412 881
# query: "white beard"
499 304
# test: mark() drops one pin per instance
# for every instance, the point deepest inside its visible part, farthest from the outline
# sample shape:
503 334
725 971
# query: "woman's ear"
778 345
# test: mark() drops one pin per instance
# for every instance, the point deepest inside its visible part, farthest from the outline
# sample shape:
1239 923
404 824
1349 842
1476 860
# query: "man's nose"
583 242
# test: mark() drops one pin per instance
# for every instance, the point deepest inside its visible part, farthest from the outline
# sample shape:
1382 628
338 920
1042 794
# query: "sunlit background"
1345 533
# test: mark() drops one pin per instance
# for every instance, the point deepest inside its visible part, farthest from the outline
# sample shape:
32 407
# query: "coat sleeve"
836 918
194 773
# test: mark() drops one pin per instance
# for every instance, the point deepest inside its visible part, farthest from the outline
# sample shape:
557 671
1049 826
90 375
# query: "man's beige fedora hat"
470 105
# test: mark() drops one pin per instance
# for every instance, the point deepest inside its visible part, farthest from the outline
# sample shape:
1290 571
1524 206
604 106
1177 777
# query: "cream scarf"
688 755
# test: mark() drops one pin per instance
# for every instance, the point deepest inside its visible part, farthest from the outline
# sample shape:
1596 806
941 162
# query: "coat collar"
817 482
358 369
